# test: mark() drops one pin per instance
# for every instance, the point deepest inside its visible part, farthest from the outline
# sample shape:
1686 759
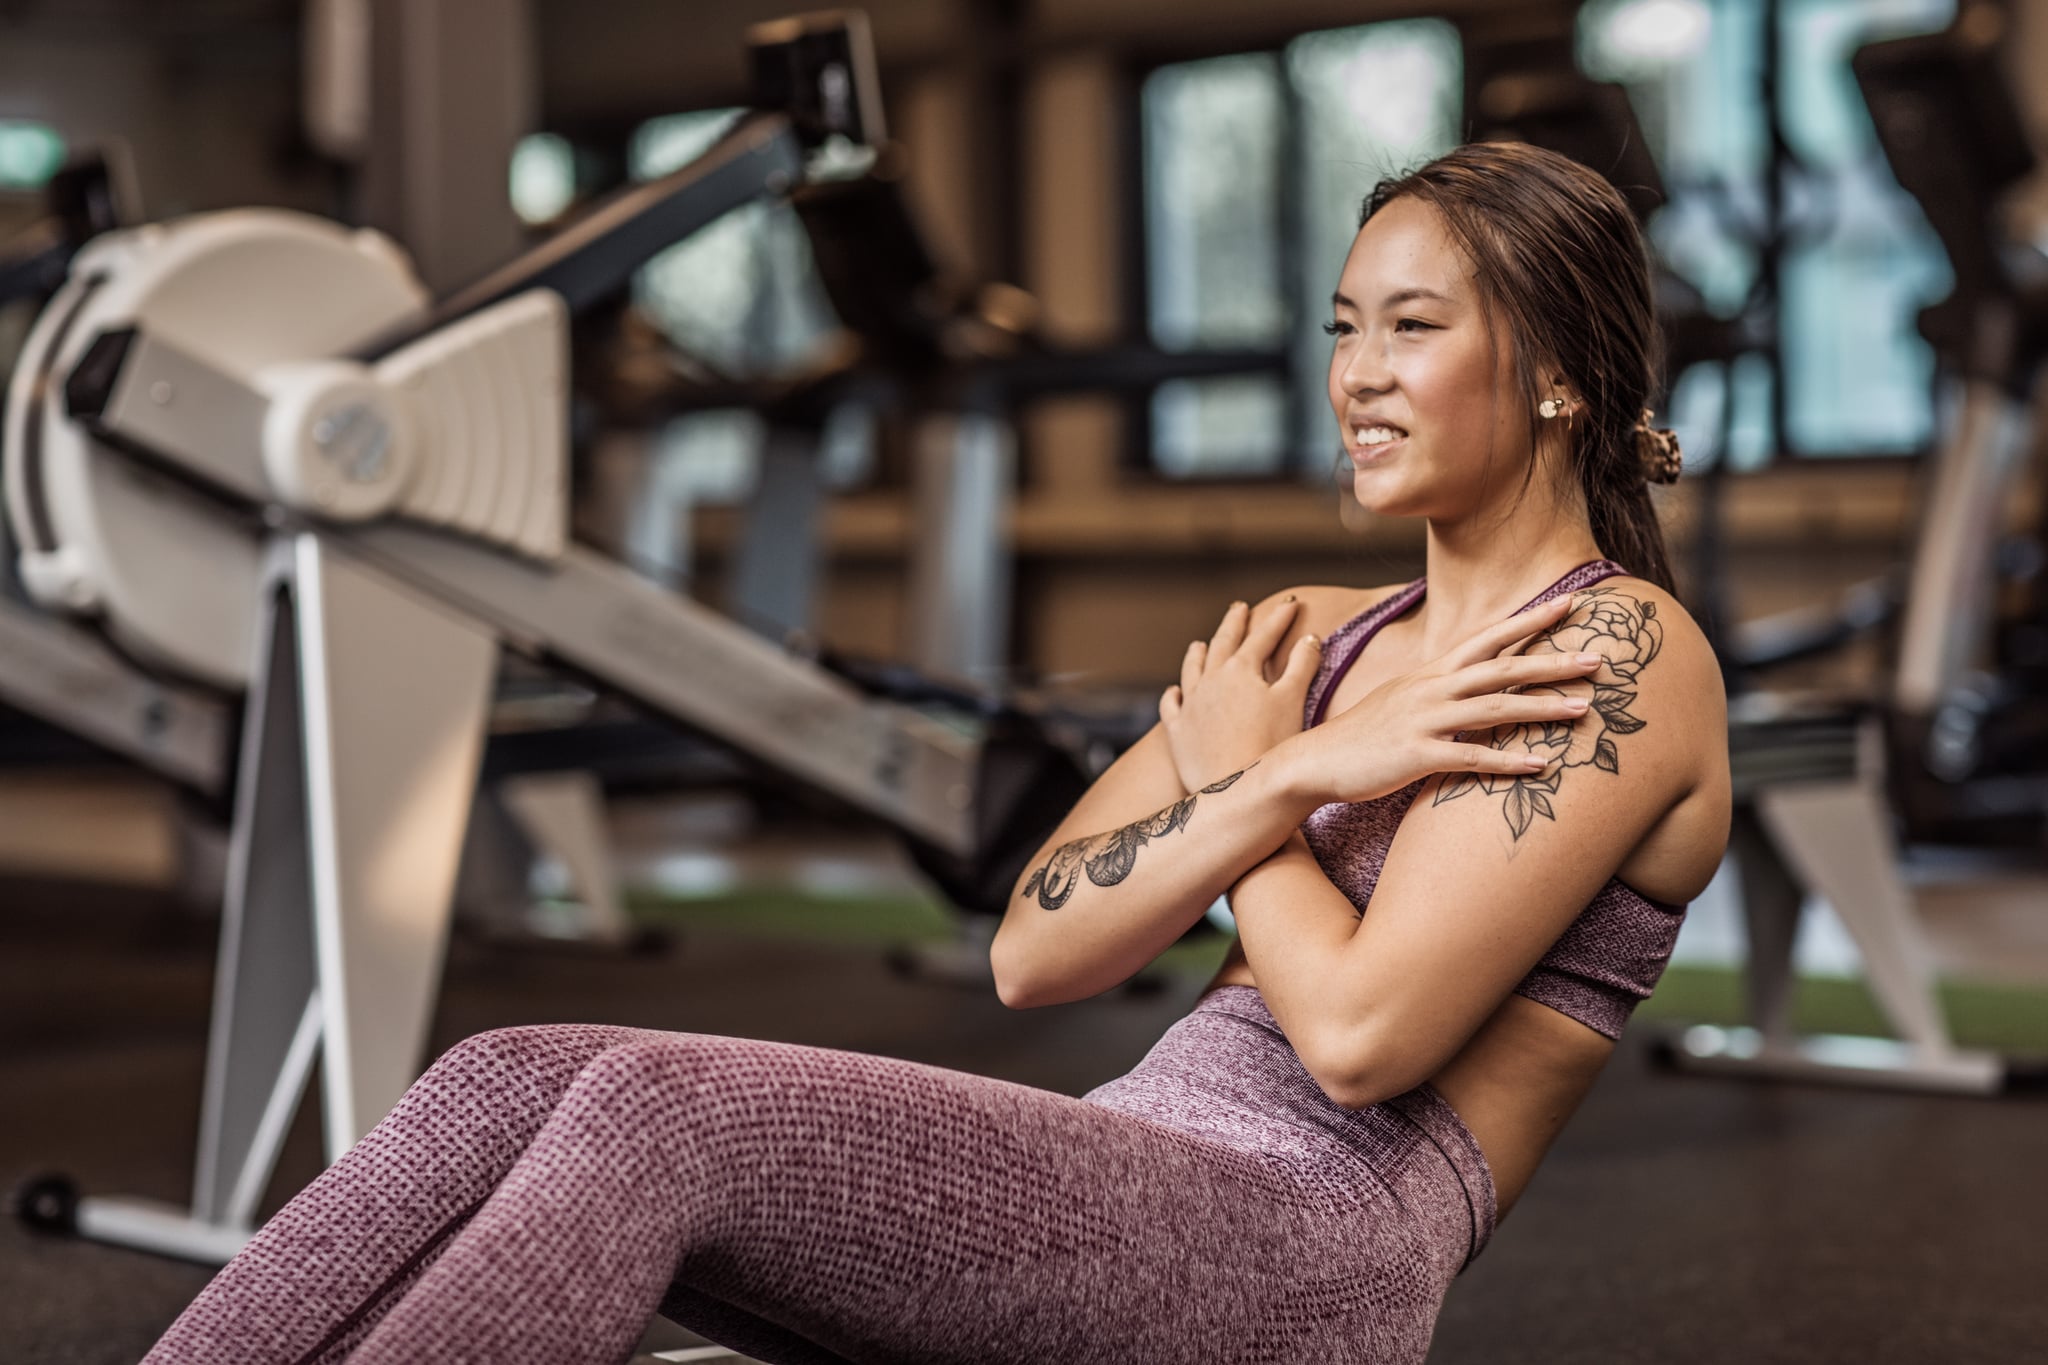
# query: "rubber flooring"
1677 1220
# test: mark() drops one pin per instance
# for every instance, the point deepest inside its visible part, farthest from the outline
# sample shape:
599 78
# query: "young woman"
1457 859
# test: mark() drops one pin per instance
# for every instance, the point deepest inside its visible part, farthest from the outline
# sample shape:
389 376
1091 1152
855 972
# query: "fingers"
1268 624
1506 708
1169 704
1448 757
1255 635
1521 626
1520 670
1302 662
1230 634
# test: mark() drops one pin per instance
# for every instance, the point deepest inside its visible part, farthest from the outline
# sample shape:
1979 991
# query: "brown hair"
1557 256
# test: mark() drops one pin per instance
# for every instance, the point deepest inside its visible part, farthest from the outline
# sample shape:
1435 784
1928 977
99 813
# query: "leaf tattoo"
1624 630
1108 858
1223 784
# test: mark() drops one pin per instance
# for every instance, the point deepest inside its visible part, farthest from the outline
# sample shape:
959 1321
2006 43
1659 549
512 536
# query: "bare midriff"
1513 1084
1523 1073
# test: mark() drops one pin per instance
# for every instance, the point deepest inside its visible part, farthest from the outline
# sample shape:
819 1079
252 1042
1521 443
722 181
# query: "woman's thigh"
892 1211
325 1268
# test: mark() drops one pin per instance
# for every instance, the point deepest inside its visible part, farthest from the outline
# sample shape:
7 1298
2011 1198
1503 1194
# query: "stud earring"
1550 407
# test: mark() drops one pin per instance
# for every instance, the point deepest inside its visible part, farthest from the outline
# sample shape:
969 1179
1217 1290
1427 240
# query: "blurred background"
983 422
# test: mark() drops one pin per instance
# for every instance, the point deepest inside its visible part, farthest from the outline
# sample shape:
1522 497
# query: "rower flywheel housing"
170 573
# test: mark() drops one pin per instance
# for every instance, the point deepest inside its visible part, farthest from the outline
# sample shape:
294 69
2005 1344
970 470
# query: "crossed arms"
1482 877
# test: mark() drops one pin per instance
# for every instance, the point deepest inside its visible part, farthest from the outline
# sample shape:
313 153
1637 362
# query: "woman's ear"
1559 384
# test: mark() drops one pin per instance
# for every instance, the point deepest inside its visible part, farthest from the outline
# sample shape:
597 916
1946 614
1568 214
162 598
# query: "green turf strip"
780 912
2005 1018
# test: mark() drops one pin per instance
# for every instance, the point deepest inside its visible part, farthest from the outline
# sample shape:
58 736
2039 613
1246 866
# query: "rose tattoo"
1625 632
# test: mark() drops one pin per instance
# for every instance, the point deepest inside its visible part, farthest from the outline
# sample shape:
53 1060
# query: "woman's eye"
1338 329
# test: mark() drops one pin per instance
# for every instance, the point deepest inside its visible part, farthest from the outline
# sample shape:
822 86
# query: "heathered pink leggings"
541 1192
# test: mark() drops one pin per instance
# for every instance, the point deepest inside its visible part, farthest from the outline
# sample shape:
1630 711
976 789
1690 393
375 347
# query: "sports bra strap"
1348 641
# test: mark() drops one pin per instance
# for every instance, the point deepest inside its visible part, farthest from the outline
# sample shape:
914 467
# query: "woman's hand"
1409 727
1224 715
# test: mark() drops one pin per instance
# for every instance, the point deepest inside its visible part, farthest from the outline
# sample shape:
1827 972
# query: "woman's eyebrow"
1395 299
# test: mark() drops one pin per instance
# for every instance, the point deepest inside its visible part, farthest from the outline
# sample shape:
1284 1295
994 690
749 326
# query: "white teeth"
1372 436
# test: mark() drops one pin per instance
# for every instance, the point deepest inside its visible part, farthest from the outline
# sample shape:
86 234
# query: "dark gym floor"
1677 1220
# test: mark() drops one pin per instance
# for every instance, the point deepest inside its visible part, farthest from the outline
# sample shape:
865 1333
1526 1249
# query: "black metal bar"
594 258
1770 260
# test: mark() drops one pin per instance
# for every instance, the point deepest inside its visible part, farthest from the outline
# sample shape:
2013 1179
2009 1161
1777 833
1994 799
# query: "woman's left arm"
1485 873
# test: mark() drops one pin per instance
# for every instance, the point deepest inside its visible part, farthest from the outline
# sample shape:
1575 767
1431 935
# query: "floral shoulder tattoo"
1624 630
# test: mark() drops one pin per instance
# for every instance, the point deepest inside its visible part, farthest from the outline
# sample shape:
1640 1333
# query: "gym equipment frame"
1921 762
254 453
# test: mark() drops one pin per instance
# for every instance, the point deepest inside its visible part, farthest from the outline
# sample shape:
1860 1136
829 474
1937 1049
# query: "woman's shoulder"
1657 620
1326 608
1660 663
1659 723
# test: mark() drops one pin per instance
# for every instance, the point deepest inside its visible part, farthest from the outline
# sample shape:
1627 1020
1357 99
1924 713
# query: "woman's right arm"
1142 855
1136 862
1140 858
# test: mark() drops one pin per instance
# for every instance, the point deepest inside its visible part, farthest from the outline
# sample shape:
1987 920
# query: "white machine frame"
1829 831
379 612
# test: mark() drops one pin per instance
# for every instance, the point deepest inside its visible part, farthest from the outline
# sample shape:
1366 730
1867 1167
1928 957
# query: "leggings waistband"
1423 1106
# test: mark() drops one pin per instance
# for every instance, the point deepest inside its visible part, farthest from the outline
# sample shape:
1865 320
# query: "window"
543 177
30 153
1860 260
1372 103
740 295
1214 278
1857 372
1255 166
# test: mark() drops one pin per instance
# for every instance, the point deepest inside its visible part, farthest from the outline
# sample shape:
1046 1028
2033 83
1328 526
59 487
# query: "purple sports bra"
1606 961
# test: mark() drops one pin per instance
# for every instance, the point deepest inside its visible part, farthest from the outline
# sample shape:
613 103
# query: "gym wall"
1016 118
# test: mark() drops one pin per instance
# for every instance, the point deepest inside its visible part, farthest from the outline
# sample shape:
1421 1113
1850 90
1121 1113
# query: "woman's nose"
1365 369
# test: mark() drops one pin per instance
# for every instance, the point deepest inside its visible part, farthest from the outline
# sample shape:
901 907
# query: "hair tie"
1657 448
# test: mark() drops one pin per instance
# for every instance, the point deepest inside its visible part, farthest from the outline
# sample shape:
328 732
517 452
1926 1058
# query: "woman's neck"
1481 574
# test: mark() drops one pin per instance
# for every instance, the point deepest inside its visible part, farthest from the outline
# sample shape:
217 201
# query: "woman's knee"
529 1052
655 1060
675 1079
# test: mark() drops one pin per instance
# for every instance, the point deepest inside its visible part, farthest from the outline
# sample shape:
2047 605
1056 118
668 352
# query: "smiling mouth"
1368 441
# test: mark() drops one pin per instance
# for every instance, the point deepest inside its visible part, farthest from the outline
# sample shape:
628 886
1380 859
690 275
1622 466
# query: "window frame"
1137 460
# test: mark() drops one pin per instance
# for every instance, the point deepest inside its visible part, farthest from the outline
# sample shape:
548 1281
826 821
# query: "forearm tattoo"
1625 631
1108 858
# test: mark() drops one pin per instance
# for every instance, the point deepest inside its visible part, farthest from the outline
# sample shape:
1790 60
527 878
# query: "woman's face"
1422 391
